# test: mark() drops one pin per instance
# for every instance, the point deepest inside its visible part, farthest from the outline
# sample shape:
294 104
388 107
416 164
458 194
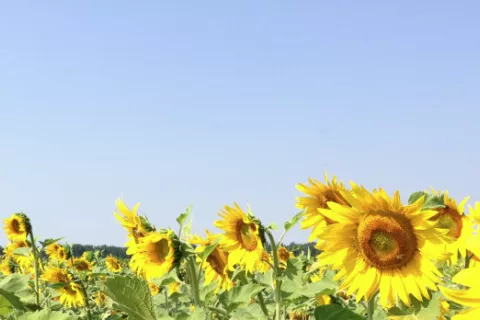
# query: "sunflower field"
380 258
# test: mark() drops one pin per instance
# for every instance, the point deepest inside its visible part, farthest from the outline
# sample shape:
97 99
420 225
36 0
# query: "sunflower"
173 287
155 254
469 297
265 264
17 227
317 196
154 289
89 255
53 274
216 264
24 262
136 226
459 226
71 295
376 243
283 256
51 250
7 266
112 264
81 264
99 297
243 238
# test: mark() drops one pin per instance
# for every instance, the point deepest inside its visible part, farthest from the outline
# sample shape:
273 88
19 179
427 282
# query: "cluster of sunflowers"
379 259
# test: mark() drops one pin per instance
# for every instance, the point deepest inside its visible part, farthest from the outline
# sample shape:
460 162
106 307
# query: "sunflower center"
82 266
16 226
162 249
283 254
217 261
450 219
386 240
246 234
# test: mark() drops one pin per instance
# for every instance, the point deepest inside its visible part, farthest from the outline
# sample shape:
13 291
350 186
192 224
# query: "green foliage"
132 296
47 315
239 296
335 312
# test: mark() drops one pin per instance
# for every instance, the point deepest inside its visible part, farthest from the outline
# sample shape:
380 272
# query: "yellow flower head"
284 255
376 243
52 249
53 274
317 197
173 287
154 289
17 227
459 225
136 226
99 297
7 265
155 254
24 262
243 238
81 264
71 295
216 264
266 263
112 264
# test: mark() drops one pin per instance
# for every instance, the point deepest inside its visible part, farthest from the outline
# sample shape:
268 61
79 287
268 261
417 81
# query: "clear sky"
206 103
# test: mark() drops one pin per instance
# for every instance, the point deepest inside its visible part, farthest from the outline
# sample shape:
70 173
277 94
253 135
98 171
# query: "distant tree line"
121 252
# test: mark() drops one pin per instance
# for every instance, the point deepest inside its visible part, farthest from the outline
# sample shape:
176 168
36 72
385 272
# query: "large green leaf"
47 315
132 296
335 312
16 290
432 201
209 249
5 306
239 296
252 312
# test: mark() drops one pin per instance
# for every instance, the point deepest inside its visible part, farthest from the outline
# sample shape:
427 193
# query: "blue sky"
206 103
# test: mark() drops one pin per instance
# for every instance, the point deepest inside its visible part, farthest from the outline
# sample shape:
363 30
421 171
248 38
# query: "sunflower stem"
87 303
194 281
261 302
276 278
371 308
35 266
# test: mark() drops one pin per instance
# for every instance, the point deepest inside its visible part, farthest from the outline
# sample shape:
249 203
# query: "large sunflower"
155 254
377 243
243 238
112 264
317 196
459 226
216 264
17 227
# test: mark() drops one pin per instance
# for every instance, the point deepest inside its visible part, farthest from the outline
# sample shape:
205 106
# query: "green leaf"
252 312
198 314
272 226
5 306
132 296
321 287
334 312
239 296
290 223
16 290
208 249
415 196
48 242
431 310
46 315
183 216
24 251
433 201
